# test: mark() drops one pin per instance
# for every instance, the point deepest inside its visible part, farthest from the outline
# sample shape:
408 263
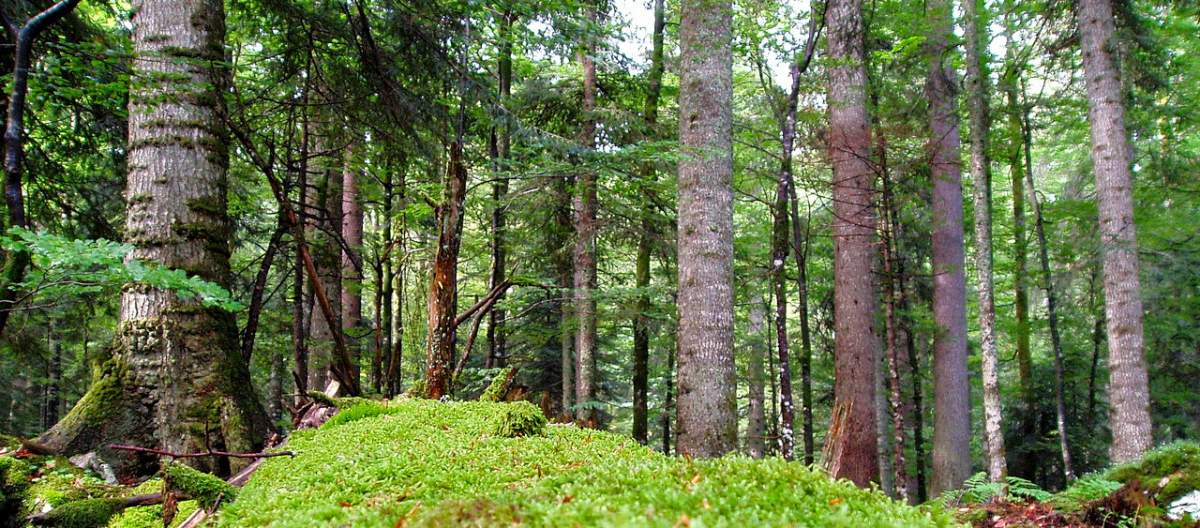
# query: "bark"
779 254
299 319
905 325
641 321
669 398
15 263
892 299
443 287
503 140
52 395
800 251
396 291
856 340
976 37
324 206
756 419
564 268
351 257
1128 387
585 249
952 391
1060 404
1097 344
707 413
175 378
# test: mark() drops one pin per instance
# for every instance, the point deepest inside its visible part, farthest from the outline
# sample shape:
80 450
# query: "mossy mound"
426 463
1173 470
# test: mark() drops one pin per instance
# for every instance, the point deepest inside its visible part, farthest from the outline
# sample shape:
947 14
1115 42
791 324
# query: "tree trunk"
443 288
351 261
952 391
1128 387
324 207
892 299
800 252
669 397
585 249
856 340
394 379
707 411
503 142
641 321
52 396
779 254
975 29
258 292
175 379
756 418
1060 403
299 299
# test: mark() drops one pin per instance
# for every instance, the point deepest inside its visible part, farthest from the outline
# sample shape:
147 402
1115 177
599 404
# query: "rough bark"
779 254
585 249
892 299
323 215
175 378
641 321
952 391
975 29
756 418
856 339
1128 387
707 413
351 229
443 286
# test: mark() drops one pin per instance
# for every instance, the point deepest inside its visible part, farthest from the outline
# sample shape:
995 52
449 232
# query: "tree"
951 391
175 378
853 448
352 236
501 146
1128 387
975 30
641 321
707 413
585 246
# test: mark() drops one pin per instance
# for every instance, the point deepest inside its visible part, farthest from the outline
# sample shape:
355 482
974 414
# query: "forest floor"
414 462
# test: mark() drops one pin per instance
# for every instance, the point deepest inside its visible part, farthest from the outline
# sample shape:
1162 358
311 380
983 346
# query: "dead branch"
208 453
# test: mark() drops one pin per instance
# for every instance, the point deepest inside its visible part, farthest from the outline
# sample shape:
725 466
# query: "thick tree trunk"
503 141
1128 387
175 379
975 29
351 258
756 418
585 250
952 391
443 287
707 411
641 321
856 340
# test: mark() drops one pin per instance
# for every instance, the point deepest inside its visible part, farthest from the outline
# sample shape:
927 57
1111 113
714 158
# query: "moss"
206 489
61 483
88 513
211 205
151 516
1178 463
495 390
14 481
418 462
519 419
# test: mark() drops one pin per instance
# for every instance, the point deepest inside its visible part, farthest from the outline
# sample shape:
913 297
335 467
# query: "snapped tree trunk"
975 29
707 412
856 339
1128 387
175 378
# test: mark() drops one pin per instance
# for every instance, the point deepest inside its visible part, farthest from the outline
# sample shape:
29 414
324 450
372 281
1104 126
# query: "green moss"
209 205
61 483
14 481
151 516
88 513
519 419
495 390
426 463
206 489
1177 462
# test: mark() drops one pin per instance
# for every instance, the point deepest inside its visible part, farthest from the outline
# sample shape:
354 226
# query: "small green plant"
979 489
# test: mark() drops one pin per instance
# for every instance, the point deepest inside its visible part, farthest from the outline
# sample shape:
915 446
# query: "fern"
978 489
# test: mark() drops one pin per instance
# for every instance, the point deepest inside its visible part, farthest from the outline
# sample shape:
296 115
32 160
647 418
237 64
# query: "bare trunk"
503 141
779 254
1060 403
585 251
975 27
707 412
892 300
856 340
258 292
641 321
564 268
1128 387
800 251
443 287
176 378
756 418
352 279
324 207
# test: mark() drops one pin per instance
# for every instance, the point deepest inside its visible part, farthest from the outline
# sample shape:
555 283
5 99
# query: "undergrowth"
426 463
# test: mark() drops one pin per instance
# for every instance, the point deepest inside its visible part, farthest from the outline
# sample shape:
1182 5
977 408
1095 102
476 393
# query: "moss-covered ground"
425 463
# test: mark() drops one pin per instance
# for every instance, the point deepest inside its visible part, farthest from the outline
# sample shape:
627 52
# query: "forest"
600 263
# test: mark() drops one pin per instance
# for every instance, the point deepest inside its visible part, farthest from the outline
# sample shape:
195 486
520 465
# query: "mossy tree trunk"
175 378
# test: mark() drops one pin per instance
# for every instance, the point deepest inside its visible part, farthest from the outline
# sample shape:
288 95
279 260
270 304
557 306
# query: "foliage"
1084 490
385 469
65 268
979 489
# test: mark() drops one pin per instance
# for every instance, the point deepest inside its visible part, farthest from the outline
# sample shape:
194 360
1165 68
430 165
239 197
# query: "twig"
210 452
